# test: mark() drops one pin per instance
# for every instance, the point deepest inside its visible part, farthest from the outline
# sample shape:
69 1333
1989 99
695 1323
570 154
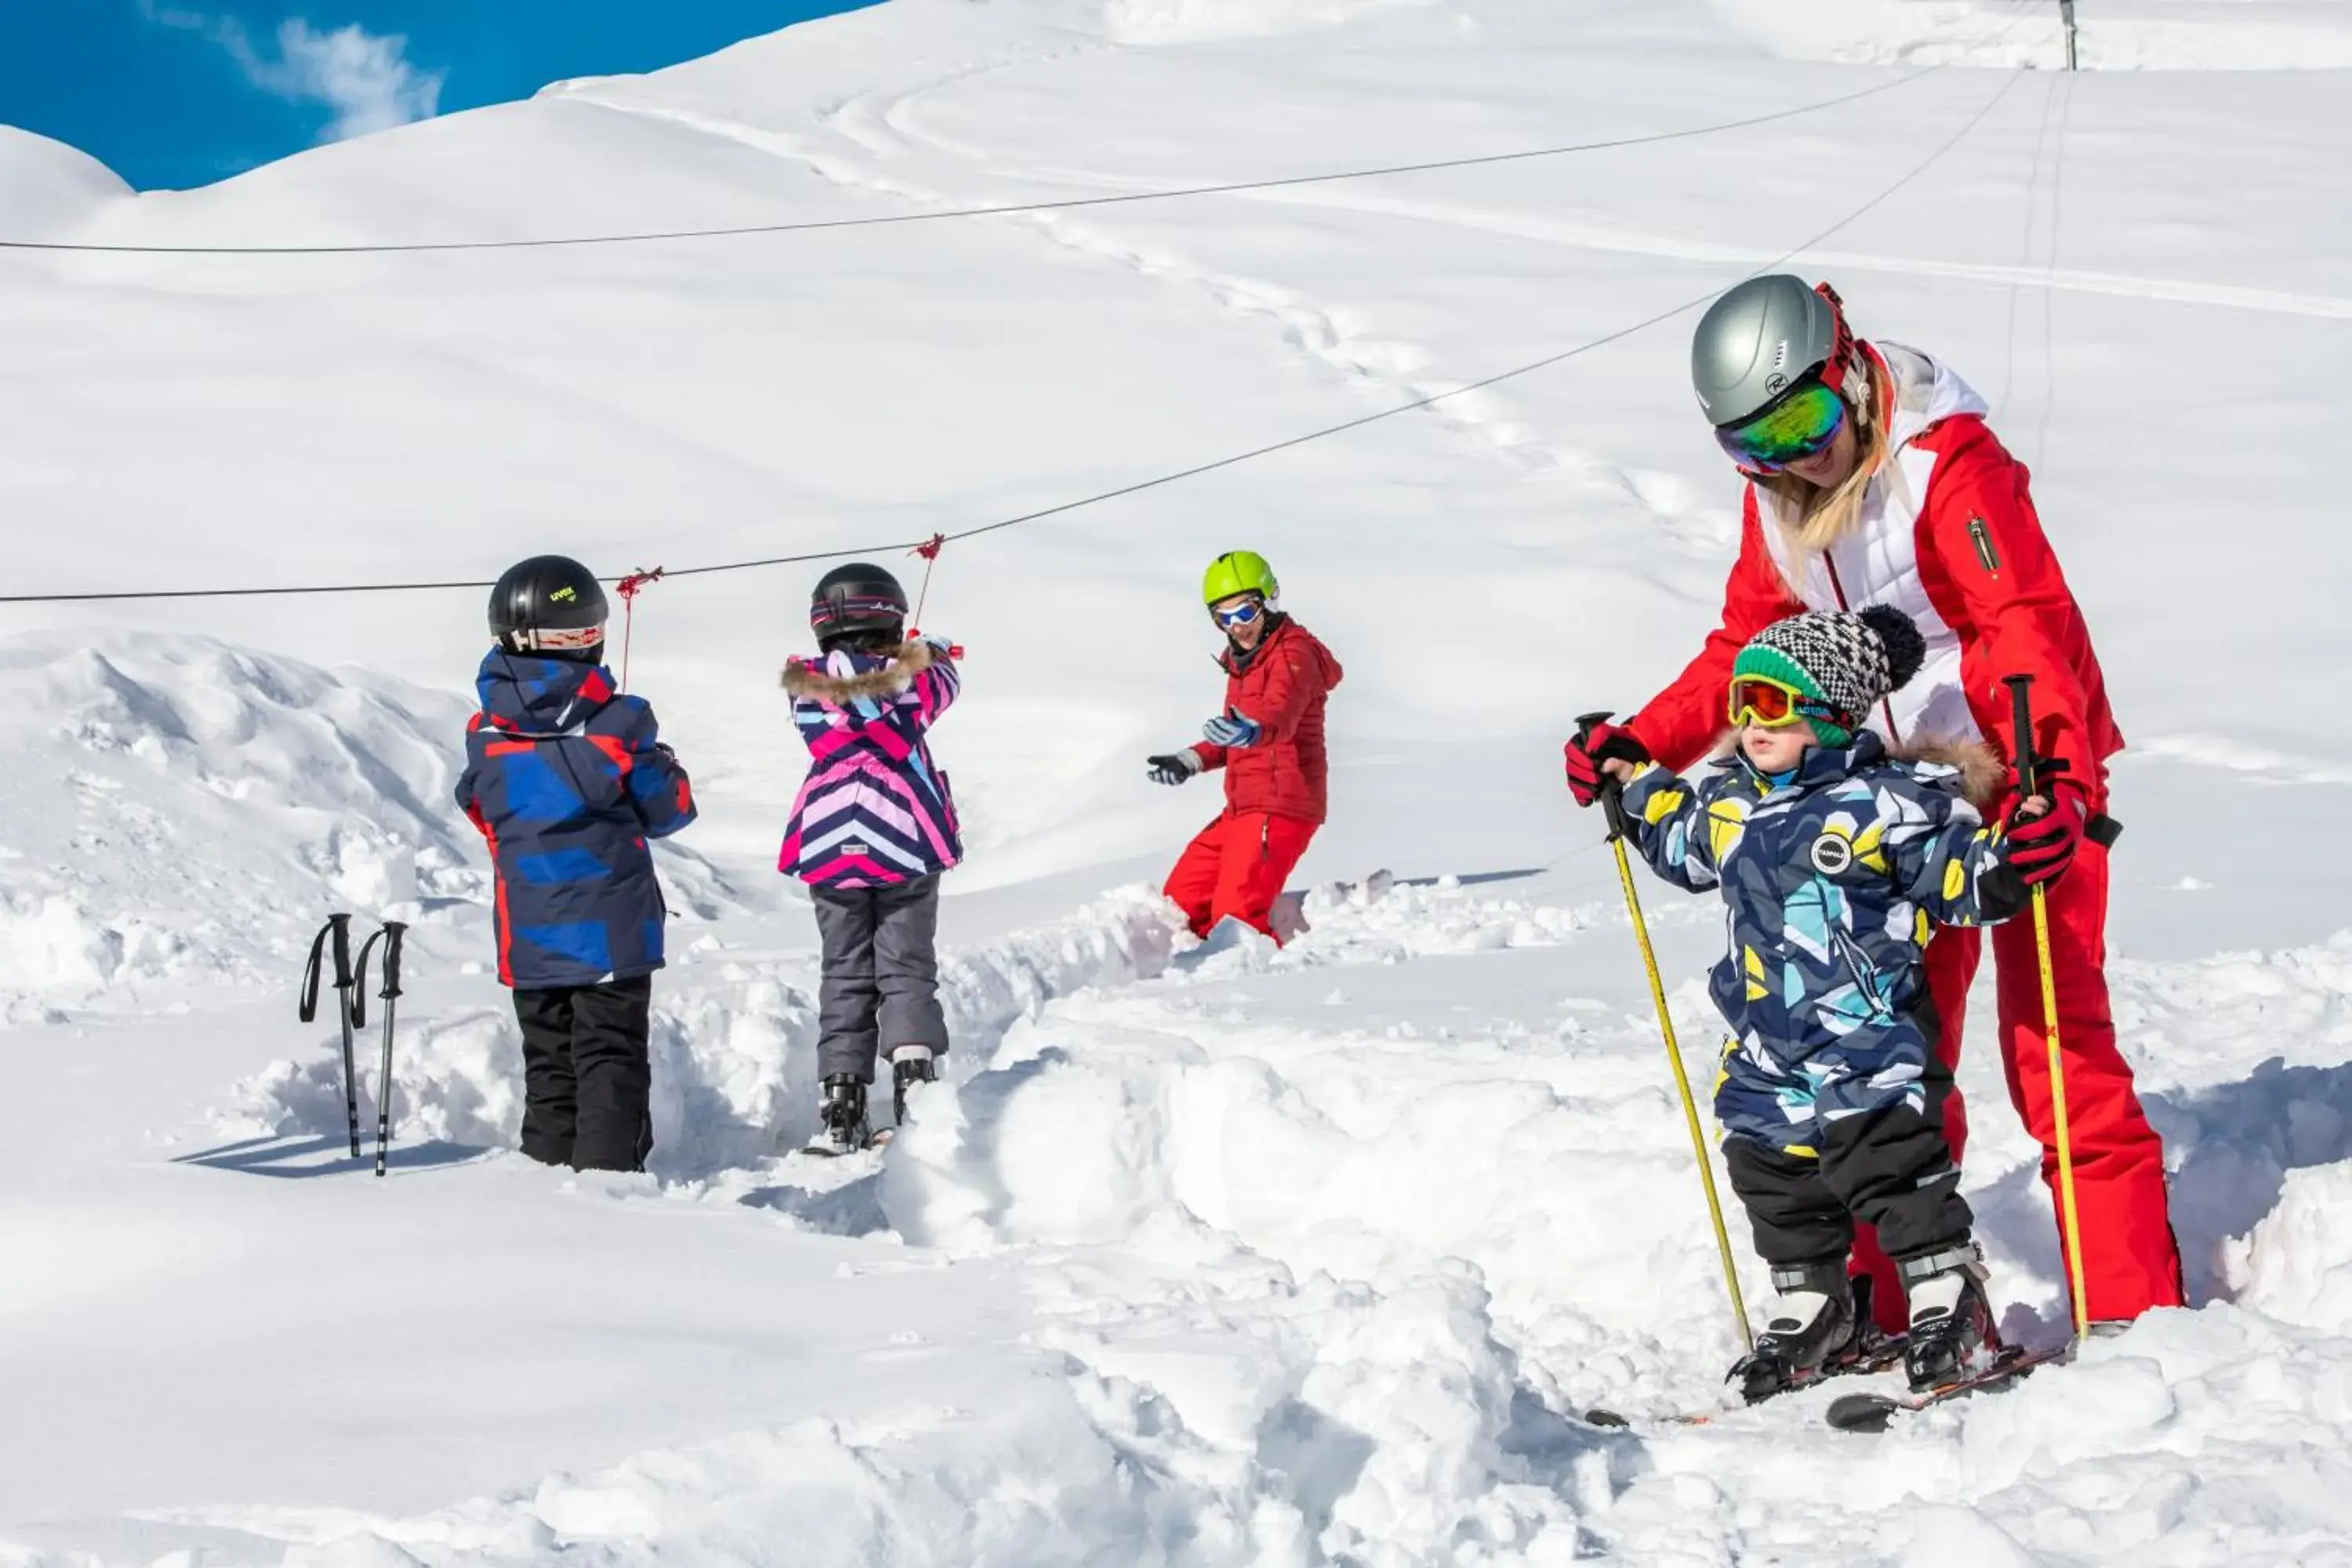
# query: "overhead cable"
1137 487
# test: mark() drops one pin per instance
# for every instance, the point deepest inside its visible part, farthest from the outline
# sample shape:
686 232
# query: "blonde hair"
1812 519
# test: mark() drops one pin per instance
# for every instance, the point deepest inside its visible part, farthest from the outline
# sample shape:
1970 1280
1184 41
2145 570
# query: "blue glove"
1236 729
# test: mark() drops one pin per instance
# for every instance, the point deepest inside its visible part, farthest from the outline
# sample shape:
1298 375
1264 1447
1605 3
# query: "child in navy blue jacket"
567 781
1838 861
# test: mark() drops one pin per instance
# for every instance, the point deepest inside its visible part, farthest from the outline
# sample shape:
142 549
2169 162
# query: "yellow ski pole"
2070 1227
1613 805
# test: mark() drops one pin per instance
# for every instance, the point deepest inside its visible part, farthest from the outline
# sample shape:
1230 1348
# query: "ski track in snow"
1387 369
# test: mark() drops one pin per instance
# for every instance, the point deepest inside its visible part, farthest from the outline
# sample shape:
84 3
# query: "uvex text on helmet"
1755 343
858 597
549 603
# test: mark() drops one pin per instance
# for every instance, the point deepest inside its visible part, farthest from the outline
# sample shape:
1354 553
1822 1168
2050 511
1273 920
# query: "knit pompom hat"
1841 665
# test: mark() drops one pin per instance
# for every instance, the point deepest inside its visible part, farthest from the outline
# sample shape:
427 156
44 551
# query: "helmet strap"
1843 371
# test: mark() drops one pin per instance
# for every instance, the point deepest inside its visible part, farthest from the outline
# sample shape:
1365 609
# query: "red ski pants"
1235 866
2130 1260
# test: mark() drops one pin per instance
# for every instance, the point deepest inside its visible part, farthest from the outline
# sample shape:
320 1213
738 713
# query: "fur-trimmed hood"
818 683
1983 775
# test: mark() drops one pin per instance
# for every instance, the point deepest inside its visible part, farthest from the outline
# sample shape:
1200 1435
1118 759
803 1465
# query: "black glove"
1175 767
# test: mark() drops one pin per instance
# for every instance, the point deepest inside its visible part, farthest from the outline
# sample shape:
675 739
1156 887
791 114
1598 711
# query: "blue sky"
170 93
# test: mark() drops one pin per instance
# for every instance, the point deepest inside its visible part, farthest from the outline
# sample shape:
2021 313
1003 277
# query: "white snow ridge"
1308 1257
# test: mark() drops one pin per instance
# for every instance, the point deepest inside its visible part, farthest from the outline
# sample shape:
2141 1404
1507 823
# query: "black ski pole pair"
350 1010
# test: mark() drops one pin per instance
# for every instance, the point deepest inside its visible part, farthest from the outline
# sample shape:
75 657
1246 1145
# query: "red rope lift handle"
930 550
629 588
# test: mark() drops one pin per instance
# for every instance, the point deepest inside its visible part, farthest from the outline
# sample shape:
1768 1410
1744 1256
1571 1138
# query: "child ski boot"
1812 1327
1952 1334
841 1126
910 1065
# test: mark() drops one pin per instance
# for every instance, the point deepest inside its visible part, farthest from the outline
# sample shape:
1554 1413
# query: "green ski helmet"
1239 571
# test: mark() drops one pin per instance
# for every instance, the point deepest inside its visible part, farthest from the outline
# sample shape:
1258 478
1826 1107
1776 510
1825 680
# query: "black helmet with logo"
550 605
859 599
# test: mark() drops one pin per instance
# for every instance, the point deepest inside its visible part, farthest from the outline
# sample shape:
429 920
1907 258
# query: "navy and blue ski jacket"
1836 880
567 781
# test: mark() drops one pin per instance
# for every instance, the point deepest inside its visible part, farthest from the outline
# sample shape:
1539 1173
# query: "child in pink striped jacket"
873 829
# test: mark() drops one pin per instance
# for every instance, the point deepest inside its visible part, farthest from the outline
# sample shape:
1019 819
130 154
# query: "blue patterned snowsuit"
1834 881
567 780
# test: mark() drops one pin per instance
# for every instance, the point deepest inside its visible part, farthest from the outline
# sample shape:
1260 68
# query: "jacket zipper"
1886 703
1982 535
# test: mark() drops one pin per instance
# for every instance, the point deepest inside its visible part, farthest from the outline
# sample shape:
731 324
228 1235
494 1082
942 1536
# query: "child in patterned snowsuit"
1838 861
871 832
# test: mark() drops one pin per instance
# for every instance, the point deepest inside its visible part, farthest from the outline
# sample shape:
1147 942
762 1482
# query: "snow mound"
1373 1155
45 185
735 1073
2297 1264
2126 34
181 808
176 807
2241 1060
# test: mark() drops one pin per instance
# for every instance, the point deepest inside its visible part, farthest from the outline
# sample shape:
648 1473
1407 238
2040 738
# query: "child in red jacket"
1269 741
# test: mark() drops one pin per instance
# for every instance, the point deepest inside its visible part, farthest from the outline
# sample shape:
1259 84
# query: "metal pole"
2067 15
337 931
391 937
2069 1226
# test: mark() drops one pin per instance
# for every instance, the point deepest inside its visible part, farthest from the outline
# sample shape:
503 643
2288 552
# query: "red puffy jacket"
1973 566
1283 684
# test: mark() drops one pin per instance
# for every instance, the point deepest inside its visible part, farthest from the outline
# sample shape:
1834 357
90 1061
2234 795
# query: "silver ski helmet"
551 604
1764 337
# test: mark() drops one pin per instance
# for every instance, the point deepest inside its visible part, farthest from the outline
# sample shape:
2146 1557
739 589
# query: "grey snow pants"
879 986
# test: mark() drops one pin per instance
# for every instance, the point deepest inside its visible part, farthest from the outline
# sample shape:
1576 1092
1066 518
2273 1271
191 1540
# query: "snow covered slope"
1307 1257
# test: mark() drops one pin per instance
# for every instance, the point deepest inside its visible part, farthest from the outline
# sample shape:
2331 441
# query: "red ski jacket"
1283 684
1948 535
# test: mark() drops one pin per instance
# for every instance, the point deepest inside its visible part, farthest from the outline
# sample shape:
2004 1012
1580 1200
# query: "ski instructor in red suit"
1873 480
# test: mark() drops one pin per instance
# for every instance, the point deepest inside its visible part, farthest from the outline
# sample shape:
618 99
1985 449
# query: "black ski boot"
1810 1327
1952 1334
910 1065
841 1117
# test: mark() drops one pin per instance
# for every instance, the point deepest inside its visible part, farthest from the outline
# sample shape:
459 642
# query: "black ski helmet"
549 603
858 597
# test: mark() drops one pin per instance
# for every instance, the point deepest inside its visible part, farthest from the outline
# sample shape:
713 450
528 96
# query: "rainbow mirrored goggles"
1800 426
1773 704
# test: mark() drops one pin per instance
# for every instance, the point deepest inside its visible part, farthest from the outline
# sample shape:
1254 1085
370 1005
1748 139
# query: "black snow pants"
879 986
1891 1167
587 1079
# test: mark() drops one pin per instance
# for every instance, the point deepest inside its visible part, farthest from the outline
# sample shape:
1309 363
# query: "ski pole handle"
393 933
1613 793
338 930
2021 708
389 934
